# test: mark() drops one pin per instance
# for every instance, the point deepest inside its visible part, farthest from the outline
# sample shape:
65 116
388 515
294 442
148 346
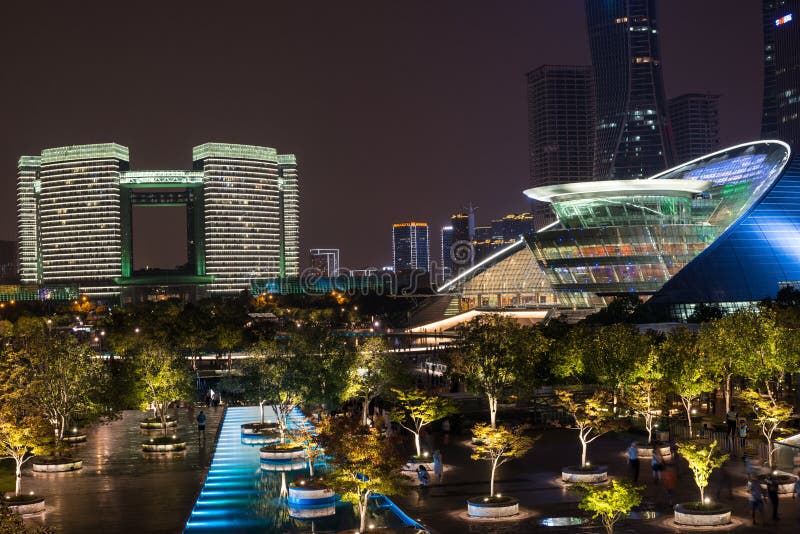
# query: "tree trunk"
491 480
727 394
18 487
362 510
584 447
261 409
364 411
702 492
310 466
648 424
493 410
416 443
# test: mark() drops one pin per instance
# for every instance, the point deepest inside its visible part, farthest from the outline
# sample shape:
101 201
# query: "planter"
283 465
311 512
55 464
646 452
276 453
159 445
310 494
153 423
259 428
492 507
593 475
25 504
260 439
785 482
74 437
687 514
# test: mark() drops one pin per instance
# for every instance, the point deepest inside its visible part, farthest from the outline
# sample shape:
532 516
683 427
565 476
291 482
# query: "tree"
645 395
702 461
59 377
363 462
162 377
306 436
770 413
685 370
592 416
418 410
284 382
495 354
324 356
610 503
373 371
18 442
498 446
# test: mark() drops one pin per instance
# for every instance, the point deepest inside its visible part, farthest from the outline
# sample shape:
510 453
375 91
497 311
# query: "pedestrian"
201 423
772 493
633 460
423 476
755 497
669 479
208 399
438 467
730 418
657 462
743 432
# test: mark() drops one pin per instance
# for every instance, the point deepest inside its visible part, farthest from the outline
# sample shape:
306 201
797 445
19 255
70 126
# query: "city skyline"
459 108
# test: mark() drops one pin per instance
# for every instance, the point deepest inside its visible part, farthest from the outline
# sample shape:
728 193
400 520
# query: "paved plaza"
121 490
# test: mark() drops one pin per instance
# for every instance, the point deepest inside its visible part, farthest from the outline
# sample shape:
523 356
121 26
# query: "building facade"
561 125
446 267
410 246
780 117
75 217
325 261
631 132
695 125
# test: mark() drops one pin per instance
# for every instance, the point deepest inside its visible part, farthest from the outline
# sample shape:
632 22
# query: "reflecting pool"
241 495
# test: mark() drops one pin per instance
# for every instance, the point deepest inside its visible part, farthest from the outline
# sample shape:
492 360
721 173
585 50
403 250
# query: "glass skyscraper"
410 246
631 133
74 216
781 108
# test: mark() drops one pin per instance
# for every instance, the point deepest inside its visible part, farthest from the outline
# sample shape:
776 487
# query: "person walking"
669 479
633 460
730 418
657 462
438 467
756 498
423 476
743 433
201 424
772 494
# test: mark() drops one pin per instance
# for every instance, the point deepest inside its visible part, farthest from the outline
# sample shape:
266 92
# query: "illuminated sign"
783 20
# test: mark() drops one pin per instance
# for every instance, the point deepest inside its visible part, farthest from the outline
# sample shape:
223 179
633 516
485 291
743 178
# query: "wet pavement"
121 489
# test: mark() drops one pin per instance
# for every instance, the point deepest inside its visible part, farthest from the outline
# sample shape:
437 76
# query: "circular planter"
644 451
311 512
74 437
685 514
152 423
283 465
259 428
55 464
260 439
273 453
785 483
493 507
159 445
594 475
310 494
25 504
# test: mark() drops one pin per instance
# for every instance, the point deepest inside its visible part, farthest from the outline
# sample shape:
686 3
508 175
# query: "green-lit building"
75 219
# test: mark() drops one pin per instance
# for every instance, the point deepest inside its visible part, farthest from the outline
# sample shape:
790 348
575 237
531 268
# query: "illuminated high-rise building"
410 246
75 217
446 265
781 107
631 135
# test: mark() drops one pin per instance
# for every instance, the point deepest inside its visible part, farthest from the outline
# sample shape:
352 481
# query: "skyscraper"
561 124
74 210
446 265
695 125
781 112
410 246
325 260
631 135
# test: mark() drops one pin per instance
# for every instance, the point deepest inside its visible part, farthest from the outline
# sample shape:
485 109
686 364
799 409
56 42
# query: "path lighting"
707 500
136 330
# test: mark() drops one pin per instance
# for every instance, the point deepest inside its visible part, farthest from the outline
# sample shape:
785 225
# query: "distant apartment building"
410 246
694 118
325 261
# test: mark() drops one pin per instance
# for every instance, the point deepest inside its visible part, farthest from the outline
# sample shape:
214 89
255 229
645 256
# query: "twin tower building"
74 218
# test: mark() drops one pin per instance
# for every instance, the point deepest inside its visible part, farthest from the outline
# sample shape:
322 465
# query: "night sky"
396 110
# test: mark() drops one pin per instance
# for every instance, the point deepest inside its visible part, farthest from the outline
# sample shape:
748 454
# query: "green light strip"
78 152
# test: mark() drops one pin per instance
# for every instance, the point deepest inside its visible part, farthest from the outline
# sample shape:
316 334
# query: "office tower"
781 106
631 135
325 261
695 125
462 252
513 225
561 126
74 209
446 265
410 246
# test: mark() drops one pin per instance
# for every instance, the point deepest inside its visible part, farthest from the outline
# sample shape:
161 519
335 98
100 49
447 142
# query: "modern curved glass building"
722 229
74 207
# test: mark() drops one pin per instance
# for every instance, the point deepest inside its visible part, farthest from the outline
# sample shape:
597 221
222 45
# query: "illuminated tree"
702 461
592 416
418 410
305 436
498 446
497 356
372 373
610 503
18 442
162 377
363 462
645 396
770 414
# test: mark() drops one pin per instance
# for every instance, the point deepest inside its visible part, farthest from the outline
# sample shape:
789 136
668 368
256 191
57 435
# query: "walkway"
119 489
535 481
